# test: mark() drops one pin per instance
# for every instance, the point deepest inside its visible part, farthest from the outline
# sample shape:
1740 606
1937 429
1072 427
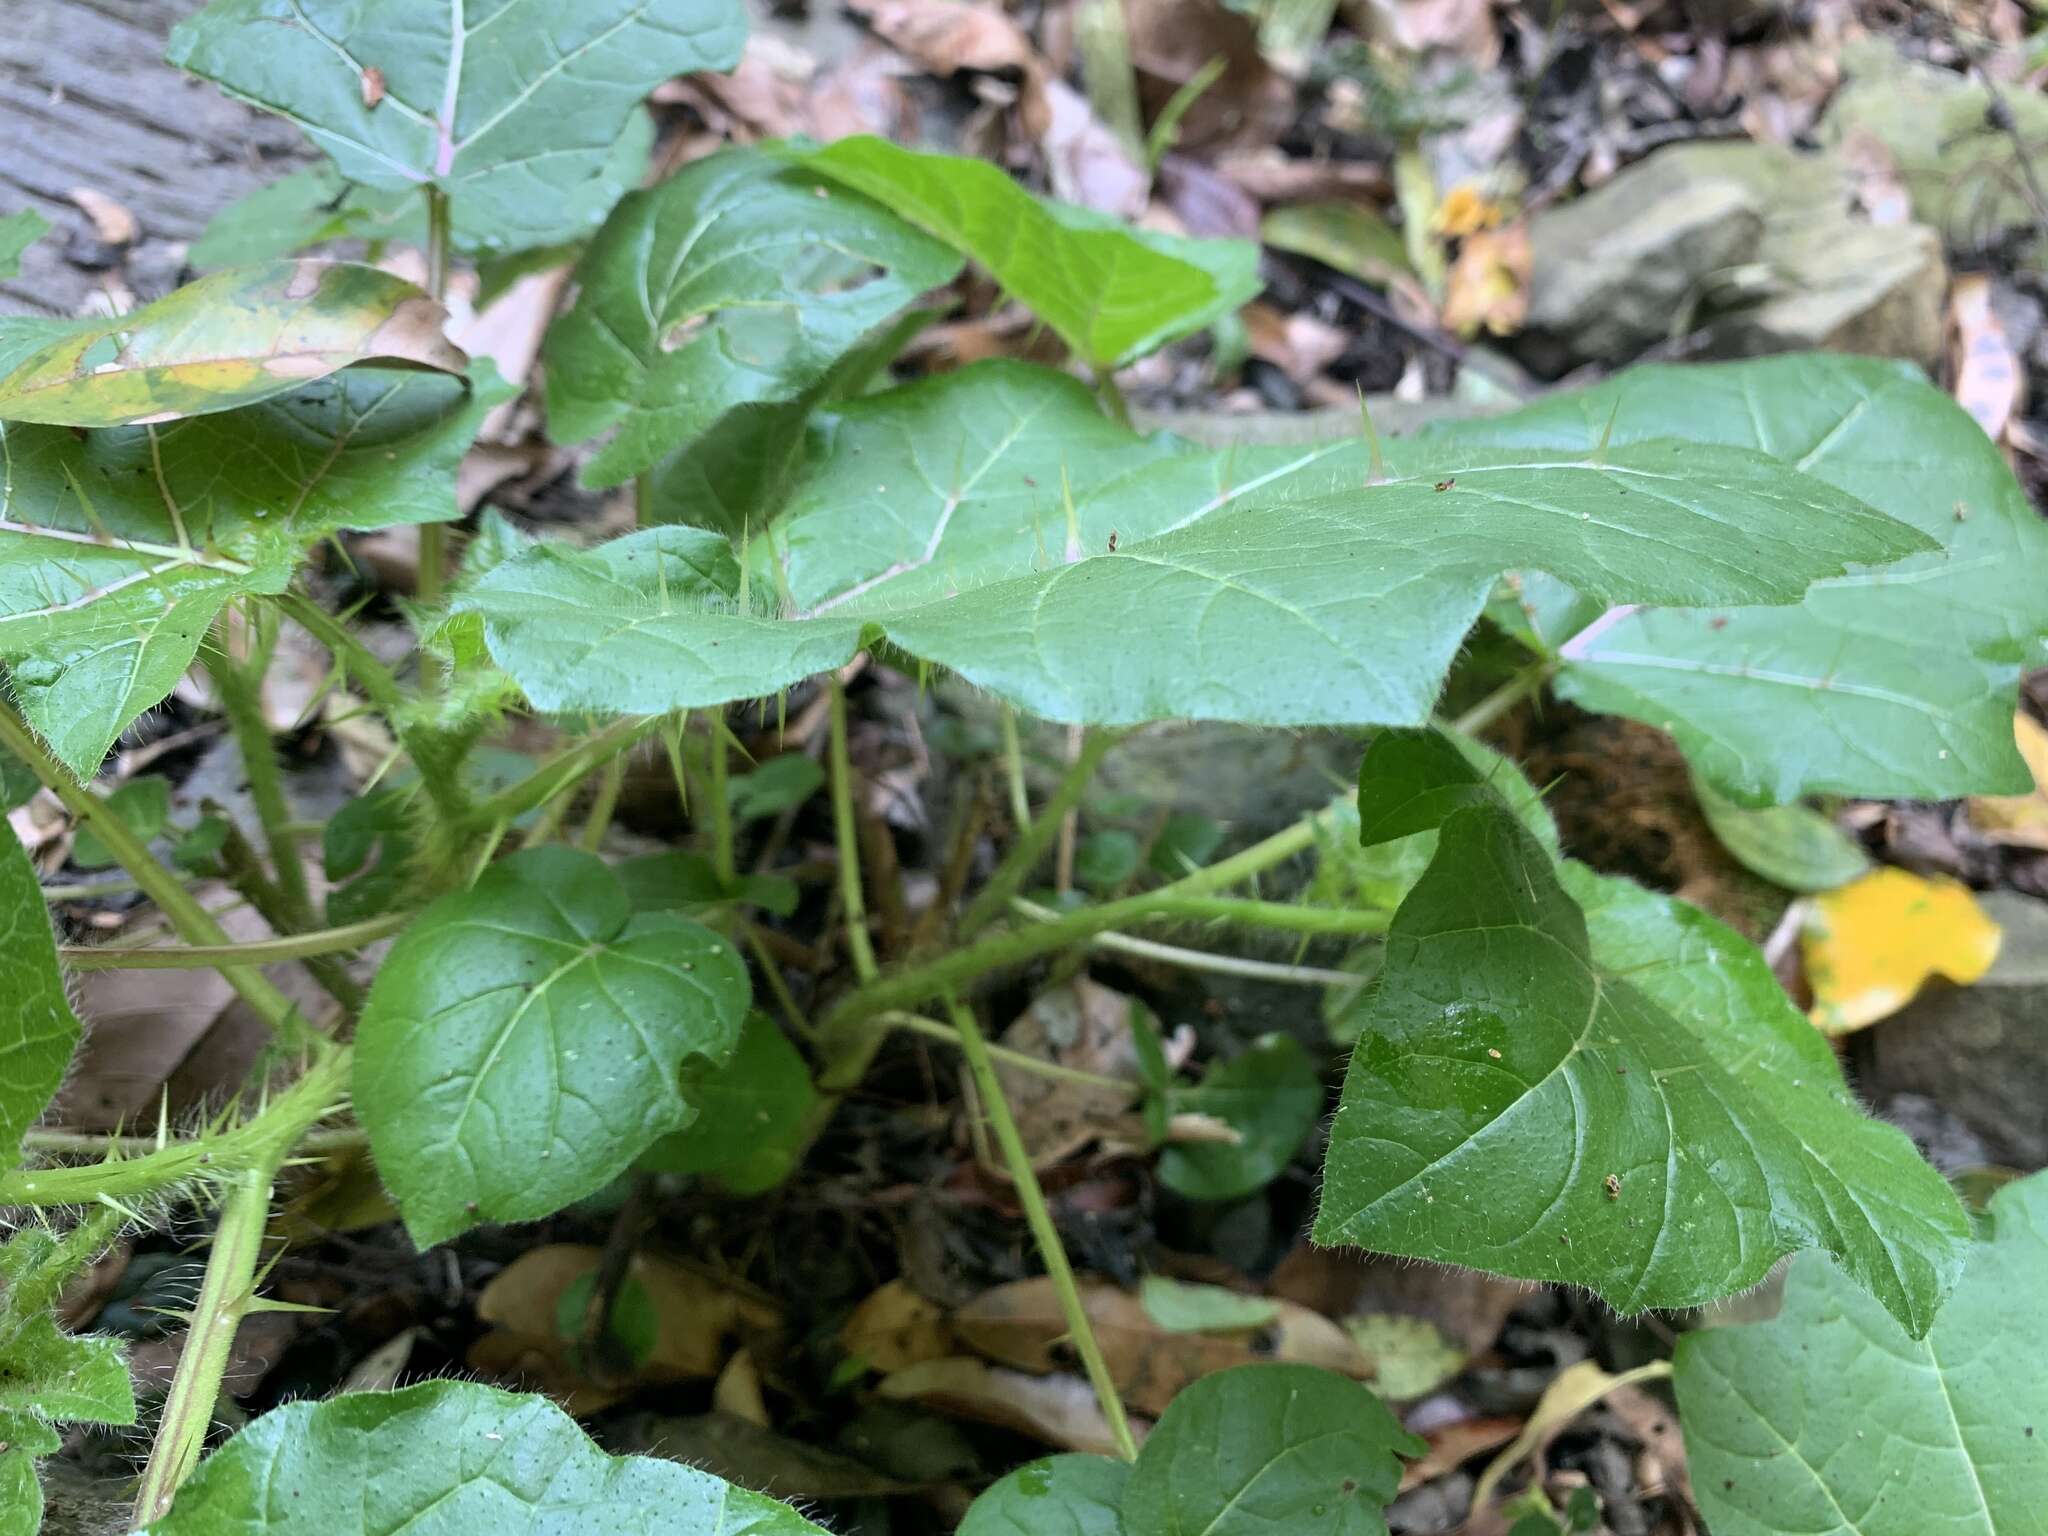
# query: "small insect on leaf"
1112 541
1445 485
1613 1182
373 86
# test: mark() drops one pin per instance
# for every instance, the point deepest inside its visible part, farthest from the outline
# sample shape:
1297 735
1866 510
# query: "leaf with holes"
526 1040
1265 1448
38 1030
1073 1495
1899 681
1830 1417
119 547
741 280
228 340
454 1457
517 112
1110 292
1271 588
1562 1077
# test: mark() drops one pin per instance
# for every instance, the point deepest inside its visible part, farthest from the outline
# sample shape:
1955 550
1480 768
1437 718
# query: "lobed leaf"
38 1030
1891 682
1272 588
1832 1417
518 111
230 339
739 281
1562 1077
1110 292
119 547
526 1039
449 1458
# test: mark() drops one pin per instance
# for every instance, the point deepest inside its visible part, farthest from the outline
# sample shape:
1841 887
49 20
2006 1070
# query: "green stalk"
1029 848
1200 959
184 910
843 831
1013 772
240 689
1039 1216
561 770
1276 915
1526 683
434 536
203 957
721 804
599 820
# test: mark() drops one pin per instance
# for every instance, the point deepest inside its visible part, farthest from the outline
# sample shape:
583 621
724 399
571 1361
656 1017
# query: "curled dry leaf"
1488 287
111 220
2019 820
1022 1325
1059 1409
1871 944
944 37
895 1328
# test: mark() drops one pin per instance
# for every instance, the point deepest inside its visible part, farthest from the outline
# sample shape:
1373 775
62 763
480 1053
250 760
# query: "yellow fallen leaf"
1465 210
1871 944
1488 288
2019 819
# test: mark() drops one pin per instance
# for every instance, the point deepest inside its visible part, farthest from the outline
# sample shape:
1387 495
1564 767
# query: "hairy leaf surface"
526 1040
1831 1418
516 110
38 1030
231 339
740 280
1267 590
1893 681
452 1457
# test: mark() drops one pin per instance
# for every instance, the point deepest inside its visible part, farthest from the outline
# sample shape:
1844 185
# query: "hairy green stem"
1039 1216
1035 838
178 904
1198 959
434 536
239 686
561 771
845 836
1526 683
1284 917
200 957
598 822
1013 772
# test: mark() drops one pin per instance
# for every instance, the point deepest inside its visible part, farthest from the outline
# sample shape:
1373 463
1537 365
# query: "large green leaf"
1073 1495
1270 588
1265 1448
525 1040
1898 681
47 1376
38 1030
750 1112
1831 1418
231 339
740 280
118 547
1562 1077
452 1458
1109 291
516 108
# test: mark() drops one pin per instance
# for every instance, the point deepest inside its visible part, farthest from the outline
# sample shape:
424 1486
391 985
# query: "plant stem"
200 957
1201 960
184 910
1035 838
239 685
721 801
1525 683
561 770
1039 1216
600 818
932 1029
1013 771
1283 916
47 1143
845 835
271 1134
434 536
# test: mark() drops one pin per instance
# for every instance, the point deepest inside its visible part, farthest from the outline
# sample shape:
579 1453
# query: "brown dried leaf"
1298 344
1084 160
895 1327
111 221
1488 287
1059 1409
946 36
1087 1027
1990 382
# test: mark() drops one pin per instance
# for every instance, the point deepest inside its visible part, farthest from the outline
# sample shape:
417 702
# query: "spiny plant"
1815 573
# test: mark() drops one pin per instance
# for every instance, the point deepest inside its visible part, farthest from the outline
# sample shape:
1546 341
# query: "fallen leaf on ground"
1059 1409
112 222
1086 1027
1452 1445
745 1453
1084 160
1181 1307
2019 820
1990 382
1022 1325
1410 1356
946 36
1173 42
737 1391
1871 945
1488 286
1415 26
1576 1388
895 1327
1298 344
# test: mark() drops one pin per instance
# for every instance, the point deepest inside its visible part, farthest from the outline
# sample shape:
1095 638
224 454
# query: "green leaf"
308 207
118 548
1793 846
524 114
1105 860
780 784
1073 1495
1562 1077
18 782
1187 842
141 805
366 850
1830 1417
1271 587
452 1457
739 281
1264 1448
19 231
1180 1307
47 1376
1111 292
756 1102
38 1030
1271 1095
1894 682
228 340
525 1041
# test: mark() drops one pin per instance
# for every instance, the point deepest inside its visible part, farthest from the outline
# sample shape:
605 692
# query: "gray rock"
1980 1052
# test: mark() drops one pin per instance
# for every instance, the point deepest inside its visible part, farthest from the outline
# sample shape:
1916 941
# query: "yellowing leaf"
2019 819
1871 944
1488 288
1465 210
